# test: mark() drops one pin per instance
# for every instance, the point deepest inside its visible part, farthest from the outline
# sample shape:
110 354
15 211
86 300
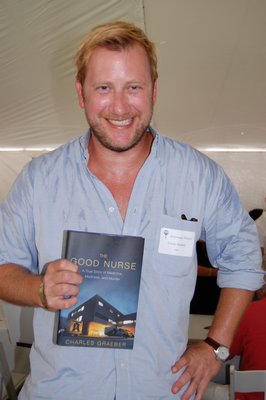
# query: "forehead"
132 60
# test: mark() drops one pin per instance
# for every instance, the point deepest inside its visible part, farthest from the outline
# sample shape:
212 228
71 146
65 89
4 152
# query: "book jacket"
106 313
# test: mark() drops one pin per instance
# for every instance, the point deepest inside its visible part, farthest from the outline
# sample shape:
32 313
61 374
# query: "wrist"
221 352
42 295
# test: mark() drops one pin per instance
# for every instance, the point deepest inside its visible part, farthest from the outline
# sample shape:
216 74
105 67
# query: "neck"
118 171
103 159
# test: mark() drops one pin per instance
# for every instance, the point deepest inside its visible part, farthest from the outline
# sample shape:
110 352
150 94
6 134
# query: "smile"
124 122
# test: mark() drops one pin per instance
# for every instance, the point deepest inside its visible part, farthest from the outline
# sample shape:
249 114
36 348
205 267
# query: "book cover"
106 312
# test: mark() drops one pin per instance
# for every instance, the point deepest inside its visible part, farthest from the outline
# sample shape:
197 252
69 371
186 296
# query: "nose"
120 104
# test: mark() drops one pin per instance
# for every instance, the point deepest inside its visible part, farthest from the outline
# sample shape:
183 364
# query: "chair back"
1 385
247 382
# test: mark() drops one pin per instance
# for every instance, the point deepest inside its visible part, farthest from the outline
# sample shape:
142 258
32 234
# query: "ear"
155 88
79 90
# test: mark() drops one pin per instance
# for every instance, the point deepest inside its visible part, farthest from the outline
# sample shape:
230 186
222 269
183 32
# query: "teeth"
120 123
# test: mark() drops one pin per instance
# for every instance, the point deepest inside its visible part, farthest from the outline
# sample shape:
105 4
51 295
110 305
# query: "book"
106 313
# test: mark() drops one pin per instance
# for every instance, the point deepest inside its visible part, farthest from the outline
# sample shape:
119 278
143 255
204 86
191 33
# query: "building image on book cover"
106 313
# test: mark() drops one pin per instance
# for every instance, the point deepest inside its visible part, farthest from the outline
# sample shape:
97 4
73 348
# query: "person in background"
207 292
249 345
123 177
249 341
259 216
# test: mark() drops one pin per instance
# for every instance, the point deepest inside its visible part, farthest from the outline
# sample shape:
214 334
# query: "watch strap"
212 343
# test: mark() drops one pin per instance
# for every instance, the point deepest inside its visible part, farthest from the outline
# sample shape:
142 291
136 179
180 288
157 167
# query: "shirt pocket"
174 251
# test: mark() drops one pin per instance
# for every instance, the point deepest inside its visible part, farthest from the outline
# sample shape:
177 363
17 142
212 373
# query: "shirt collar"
155 149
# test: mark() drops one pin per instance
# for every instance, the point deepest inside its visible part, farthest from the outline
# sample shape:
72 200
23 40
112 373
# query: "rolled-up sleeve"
232 238
17 243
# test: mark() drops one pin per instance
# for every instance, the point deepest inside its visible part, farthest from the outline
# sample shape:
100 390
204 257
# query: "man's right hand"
61 284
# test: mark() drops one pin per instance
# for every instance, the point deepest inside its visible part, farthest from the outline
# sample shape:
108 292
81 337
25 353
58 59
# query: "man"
122 177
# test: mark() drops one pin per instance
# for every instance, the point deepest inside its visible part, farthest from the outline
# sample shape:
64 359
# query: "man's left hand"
200 366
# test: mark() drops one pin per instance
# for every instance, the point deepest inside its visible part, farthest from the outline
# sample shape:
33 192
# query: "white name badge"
176 242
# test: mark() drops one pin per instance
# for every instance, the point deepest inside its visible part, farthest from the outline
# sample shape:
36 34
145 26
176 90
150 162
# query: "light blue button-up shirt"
56 192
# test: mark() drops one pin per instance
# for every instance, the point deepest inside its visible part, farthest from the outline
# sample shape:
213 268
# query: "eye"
135 88
102 88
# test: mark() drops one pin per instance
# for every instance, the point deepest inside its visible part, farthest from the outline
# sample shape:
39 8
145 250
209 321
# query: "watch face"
222 353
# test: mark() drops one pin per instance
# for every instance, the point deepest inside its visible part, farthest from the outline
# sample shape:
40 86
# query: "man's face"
118 96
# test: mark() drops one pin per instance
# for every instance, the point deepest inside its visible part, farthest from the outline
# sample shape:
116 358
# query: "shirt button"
111 209
122 365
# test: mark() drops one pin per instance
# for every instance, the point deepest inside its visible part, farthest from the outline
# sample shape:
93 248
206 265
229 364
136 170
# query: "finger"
64 290
181 381
61 296
200 391
57 276
181 363
68 265
190 391
68 277
62 265
194 387
62 303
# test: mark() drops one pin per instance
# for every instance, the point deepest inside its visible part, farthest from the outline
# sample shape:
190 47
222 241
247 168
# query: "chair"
1 385
247 382
6 377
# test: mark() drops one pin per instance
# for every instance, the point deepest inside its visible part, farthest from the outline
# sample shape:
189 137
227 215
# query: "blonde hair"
118 35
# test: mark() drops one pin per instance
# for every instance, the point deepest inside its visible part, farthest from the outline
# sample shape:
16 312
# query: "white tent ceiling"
38 106
212 71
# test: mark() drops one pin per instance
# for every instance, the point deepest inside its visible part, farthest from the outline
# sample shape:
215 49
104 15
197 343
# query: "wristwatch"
221 352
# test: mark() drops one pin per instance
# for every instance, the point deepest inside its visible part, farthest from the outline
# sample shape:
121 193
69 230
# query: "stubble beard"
107 142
